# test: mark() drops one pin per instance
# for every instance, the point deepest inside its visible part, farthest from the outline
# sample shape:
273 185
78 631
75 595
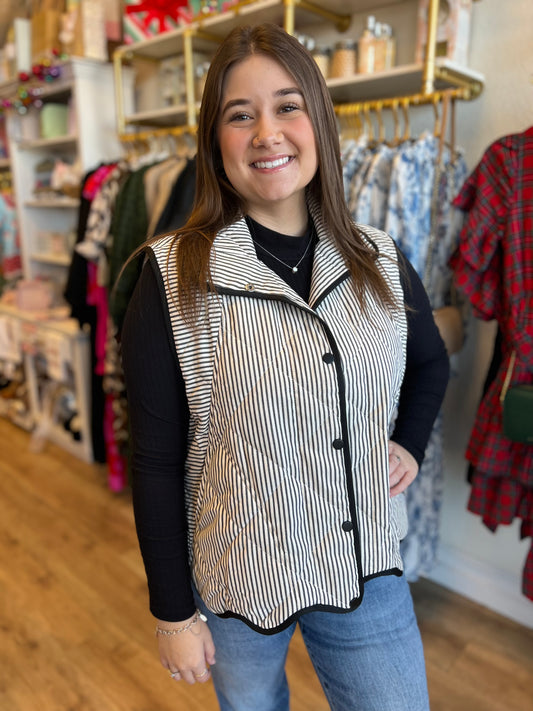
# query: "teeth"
272 163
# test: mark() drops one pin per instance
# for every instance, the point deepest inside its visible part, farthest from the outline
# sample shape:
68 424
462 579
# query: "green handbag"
517 405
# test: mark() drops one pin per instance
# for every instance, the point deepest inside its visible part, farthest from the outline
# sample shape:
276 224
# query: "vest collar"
236 268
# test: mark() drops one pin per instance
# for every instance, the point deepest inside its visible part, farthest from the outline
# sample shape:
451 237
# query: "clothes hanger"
378 109
396 140
369 128
437 126
407 124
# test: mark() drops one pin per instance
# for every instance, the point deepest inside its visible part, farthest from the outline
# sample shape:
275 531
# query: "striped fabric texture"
290 407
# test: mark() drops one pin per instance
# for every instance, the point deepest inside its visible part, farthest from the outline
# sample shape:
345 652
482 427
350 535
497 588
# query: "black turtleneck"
288 252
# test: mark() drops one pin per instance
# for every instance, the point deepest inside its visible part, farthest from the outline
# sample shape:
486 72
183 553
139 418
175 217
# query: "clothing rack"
167 131
6 181
359 112
160 143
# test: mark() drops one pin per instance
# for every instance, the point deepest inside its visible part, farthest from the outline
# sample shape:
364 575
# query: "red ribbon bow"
158 10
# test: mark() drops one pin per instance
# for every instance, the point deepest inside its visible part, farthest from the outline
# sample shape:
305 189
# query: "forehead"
257 72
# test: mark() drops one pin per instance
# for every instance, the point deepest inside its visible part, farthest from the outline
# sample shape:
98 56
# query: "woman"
270 350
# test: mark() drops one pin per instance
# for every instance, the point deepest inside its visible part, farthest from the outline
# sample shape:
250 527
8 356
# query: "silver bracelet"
178 630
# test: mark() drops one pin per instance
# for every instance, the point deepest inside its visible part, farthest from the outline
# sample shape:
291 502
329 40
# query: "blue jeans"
370 659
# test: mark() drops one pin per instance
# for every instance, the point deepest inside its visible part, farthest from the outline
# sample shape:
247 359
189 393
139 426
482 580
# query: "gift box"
83 30
34 294
148 18
54 120
45 29
201 8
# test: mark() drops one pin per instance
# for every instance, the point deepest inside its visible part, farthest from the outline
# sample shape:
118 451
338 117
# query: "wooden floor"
75 633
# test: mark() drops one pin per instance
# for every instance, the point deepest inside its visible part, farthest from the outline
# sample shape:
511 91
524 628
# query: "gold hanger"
396 140
368 122
437 127
407 126
378 108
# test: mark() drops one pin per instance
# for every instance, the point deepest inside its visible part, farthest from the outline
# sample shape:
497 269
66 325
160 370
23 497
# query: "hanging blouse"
409 206
371 205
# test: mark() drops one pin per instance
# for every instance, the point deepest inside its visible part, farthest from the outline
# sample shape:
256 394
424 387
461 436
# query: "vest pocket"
398 512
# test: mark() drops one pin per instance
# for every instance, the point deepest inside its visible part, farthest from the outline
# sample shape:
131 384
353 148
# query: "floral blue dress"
408 190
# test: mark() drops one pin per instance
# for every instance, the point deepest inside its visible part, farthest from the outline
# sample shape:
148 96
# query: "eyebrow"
245 102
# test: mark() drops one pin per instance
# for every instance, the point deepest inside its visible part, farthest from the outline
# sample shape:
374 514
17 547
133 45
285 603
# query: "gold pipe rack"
140 136
397 102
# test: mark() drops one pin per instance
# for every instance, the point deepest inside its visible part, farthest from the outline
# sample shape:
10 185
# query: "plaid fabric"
499 501
493 266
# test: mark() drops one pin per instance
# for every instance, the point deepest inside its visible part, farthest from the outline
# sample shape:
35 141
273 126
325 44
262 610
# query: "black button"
328 358
338 444
347 526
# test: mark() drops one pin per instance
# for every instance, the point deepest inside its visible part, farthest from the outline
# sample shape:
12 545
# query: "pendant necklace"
293 269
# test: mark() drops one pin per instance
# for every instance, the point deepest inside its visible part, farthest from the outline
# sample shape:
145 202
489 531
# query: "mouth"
267 164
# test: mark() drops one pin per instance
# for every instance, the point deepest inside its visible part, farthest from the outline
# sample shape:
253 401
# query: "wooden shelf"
61 260
66 326
168 116
399 81
53 203
215 26
48 143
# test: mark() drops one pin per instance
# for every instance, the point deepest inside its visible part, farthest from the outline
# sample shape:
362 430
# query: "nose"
267 135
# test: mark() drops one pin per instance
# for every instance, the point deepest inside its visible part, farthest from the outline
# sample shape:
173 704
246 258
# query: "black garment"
147 338
76 296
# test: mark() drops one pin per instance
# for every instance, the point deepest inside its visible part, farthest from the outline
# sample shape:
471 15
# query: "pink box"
33 295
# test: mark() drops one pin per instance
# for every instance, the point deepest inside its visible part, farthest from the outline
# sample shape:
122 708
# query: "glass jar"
344 60
322 56
199 79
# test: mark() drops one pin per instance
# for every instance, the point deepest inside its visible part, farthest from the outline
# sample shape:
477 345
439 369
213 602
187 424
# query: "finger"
175 675
188 675
402 482
203 675
209 652
394 460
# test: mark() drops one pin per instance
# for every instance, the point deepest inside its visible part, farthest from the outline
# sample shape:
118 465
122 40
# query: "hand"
402 468
187 655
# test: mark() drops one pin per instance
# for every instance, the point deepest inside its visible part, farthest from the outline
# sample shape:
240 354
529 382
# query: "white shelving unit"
87 85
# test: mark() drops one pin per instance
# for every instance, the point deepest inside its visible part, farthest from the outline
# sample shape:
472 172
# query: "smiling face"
267 142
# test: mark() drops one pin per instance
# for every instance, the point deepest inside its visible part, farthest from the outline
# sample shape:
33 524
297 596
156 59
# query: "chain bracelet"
178 630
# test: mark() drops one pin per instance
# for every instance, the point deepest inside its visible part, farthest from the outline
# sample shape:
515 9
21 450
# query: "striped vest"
290 404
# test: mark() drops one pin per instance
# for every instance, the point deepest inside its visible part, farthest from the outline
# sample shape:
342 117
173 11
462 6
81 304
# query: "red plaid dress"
493 265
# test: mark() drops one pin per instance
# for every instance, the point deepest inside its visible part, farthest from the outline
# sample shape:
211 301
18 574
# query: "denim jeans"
370 659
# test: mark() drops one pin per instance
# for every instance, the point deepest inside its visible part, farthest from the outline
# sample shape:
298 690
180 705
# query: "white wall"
473 561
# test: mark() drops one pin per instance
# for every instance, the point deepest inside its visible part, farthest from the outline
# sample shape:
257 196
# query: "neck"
288 222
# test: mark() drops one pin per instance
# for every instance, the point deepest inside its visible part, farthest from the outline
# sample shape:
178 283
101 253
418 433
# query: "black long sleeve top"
159 419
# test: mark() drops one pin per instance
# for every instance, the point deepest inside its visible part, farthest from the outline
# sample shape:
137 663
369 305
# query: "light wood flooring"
75 633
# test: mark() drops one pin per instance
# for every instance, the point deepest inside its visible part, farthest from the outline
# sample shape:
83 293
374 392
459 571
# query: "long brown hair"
217 204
